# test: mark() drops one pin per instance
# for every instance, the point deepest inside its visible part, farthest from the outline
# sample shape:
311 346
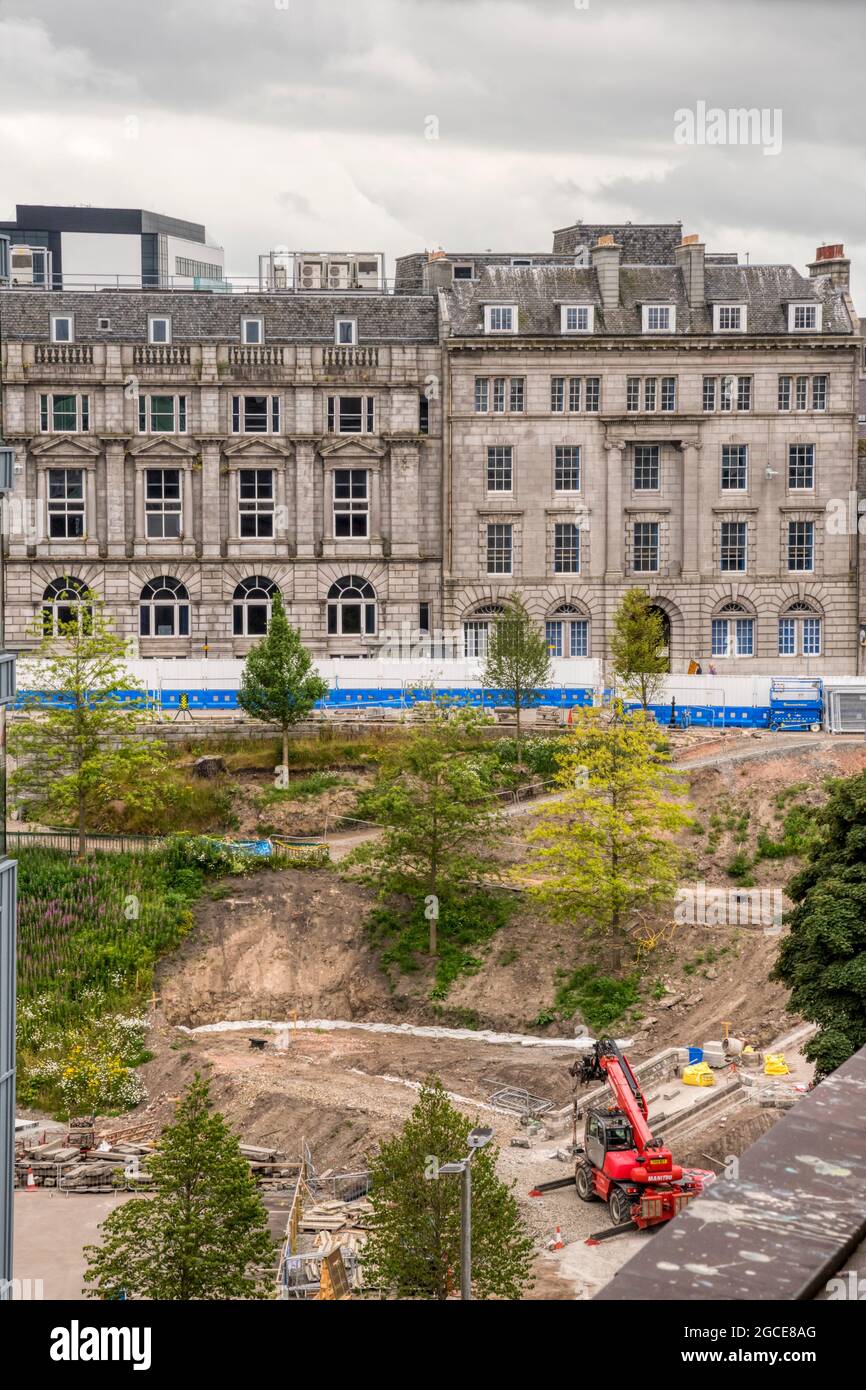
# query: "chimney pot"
606 240
691 240
831 260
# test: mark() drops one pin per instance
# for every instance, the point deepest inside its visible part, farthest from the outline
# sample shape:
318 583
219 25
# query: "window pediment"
351 446
251 444
65 446
162 448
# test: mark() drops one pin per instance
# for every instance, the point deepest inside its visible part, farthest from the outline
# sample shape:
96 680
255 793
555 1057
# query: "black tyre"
583 1183
620 1207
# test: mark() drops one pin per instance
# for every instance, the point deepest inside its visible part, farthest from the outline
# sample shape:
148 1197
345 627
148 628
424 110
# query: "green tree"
279 684
413 1248
83 750
203 1234
823 957
435 804
518 657
638 649
604 851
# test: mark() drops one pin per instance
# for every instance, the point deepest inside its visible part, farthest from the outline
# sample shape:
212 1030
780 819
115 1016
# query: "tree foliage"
639 655
82 749
823 958
279 684
603 852
518 657
203 1234
413 1250
435 804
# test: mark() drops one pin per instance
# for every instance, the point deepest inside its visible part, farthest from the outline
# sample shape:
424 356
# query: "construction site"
315 1055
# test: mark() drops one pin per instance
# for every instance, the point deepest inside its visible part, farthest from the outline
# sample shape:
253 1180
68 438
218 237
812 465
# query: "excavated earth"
291 946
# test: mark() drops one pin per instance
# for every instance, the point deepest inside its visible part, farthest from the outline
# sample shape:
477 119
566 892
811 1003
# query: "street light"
476 1139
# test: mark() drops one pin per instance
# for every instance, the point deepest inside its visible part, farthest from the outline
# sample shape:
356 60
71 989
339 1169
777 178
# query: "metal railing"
189 284
67 841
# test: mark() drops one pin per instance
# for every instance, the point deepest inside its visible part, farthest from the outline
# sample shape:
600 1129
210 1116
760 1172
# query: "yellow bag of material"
775 1065
699 1074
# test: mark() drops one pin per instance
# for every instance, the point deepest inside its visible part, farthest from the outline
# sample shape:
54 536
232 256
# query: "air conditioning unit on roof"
312 273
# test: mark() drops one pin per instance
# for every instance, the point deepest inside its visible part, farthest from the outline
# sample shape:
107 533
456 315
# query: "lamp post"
477 1138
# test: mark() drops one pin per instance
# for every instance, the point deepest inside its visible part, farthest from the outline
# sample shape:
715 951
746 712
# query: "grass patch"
798 829
313 784
466 926
599 999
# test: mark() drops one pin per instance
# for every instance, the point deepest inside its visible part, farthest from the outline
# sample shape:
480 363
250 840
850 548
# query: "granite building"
626 409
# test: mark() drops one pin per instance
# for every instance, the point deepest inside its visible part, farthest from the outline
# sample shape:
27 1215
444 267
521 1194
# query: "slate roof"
642 243
203 316
539 291
409 269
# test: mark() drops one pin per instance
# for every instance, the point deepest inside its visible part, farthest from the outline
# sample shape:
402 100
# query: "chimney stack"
831 260
605 259
689 257
438 272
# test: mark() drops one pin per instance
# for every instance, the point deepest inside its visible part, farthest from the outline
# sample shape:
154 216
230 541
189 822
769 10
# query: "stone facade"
716 472
441 463
287 450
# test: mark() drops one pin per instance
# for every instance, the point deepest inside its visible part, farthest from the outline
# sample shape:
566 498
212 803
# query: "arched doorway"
666 630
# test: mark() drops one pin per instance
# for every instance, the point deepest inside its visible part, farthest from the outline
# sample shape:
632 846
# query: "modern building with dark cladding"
628 409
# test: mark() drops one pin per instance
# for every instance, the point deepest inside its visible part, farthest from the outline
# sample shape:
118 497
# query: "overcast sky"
305 123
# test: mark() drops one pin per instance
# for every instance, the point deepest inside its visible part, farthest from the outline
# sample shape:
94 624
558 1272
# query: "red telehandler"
620 1161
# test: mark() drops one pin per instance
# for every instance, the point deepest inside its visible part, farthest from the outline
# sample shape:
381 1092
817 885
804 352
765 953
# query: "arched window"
800 630
251 613
476 629
64 606
164 610
567 631
351 608
733 631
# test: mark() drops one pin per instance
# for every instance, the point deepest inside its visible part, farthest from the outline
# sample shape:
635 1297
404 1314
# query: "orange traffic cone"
557 1242
31 1181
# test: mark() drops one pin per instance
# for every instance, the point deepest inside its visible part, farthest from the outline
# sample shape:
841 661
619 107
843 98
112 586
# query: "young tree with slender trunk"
518 657
639 654
80 748
435 805
604 850
203 1232
279 684
413 1247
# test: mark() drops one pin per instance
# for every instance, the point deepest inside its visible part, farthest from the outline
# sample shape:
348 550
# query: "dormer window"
61 328
252 332
158 328
500 318
345 332
659 318
464 270
576 318
729 318
804 318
